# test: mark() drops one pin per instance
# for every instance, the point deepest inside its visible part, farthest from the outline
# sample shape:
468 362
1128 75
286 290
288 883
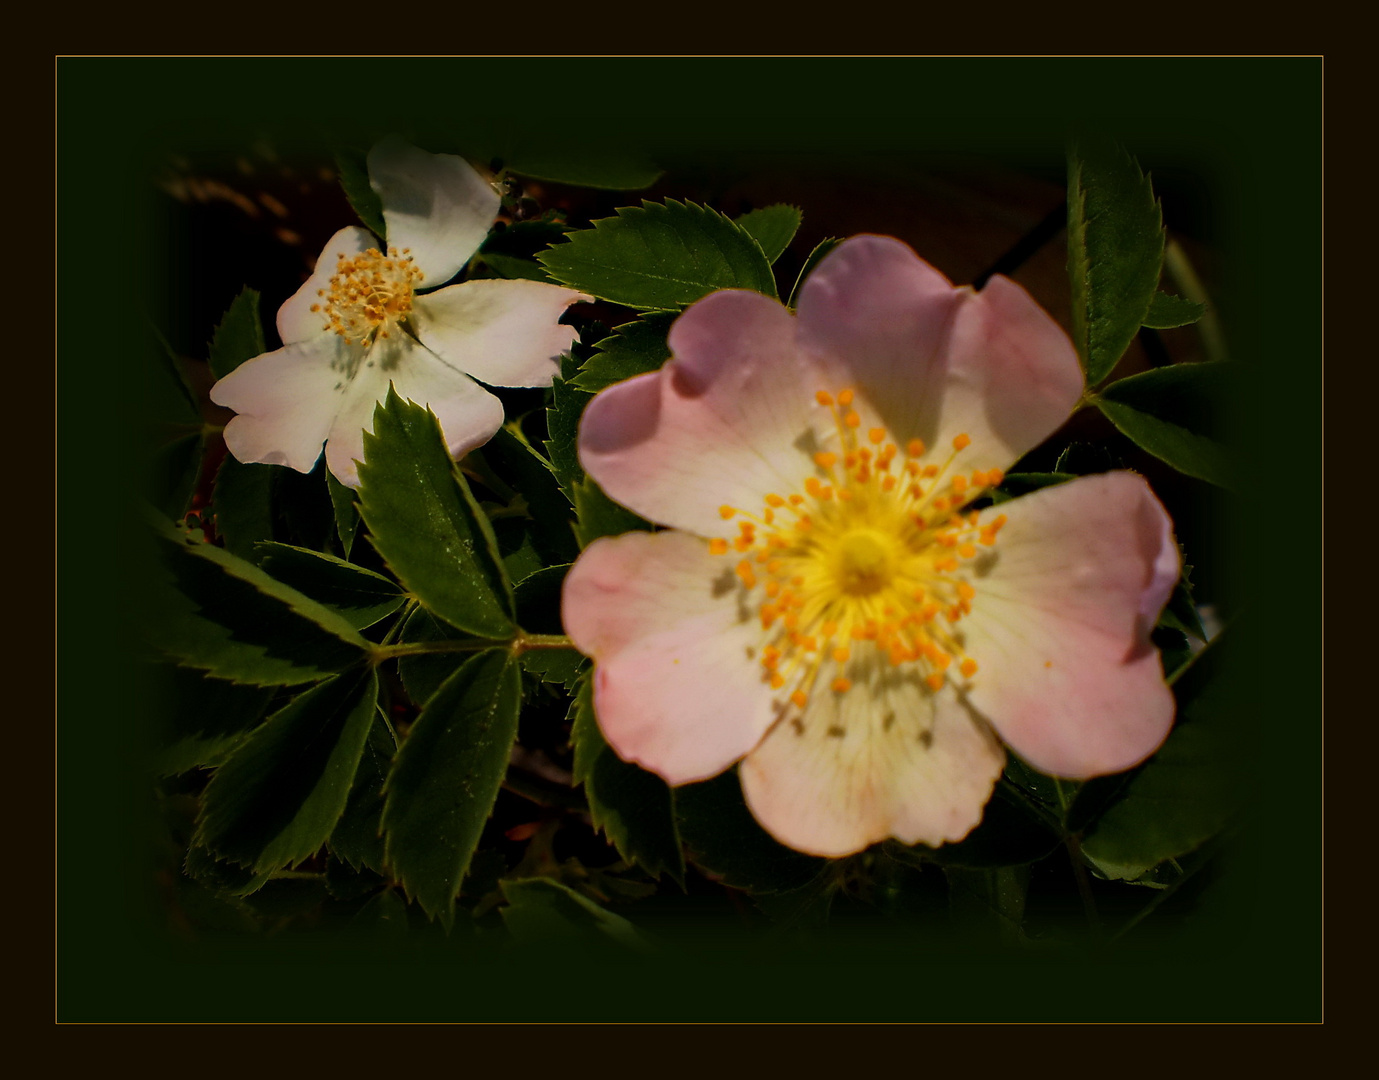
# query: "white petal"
288 401
730 418
503 332
883 759
435 204
296 320
468 414
678 687
1060 624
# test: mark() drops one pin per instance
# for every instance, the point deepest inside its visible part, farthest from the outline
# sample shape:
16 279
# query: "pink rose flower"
823 606
361 322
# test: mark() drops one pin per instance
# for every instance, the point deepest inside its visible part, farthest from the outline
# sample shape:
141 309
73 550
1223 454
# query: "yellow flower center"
369 294
868 567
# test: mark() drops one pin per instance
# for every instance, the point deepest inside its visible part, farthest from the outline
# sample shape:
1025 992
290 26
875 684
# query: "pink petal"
677 688
883 759
436 205
1060 625
506 333
468 414
726 421
933 361
296 320
287 401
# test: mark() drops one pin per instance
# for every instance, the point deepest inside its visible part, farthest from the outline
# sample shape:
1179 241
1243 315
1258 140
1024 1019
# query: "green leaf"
1185 794
239 335
532 477
542 911
426 524
276 800
358 836
243 504
632 806
385 915
346 512
1115 252
724 838
1180 612
353 167
199 720
209 609
538 600
597 515
422 675
514 266
220 876
562 667
634 348
660 256
1176 414
611 169
360 595
446 777
1167 311
773 227
815 257
562 425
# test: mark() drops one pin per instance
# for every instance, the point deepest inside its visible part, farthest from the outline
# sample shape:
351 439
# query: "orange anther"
967 551
796 500
852 420
888 483
994 477
969 668
823 397
825 460
877 435
773 589
959 484
812 485
965 590
725 512
775 500
844 397
978 478
743 543
841 654
930 471
799 697
962 442
914 447
841 685
918 596
935 681
777 681
718 546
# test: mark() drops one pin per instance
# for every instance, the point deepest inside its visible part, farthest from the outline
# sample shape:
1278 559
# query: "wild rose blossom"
824 605
361 322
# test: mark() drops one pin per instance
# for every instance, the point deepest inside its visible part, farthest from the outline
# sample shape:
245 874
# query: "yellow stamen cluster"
369 293
867 568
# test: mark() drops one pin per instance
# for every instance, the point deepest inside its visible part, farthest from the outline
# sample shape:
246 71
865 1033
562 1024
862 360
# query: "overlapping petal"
506 333
676 688
288 401
1065 603
435 205
933 361
729 418
885 759
296 320
468 414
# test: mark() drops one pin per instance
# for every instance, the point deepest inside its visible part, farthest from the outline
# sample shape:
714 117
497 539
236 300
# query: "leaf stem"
522 642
